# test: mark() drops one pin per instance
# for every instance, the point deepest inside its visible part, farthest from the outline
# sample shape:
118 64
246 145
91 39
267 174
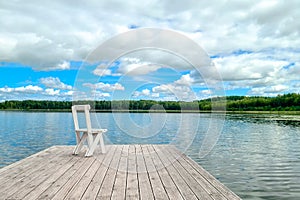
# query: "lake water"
257 157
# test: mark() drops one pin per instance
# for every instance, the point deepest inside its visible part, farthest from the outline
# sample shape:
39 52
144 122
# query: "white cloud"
48 38
144 61
268 91
276 89
249 66
28 89
20 93
30 38
206 92
174 91
34 92
145 93
185 80
103 70
6 89
105 87
99 94
52 92
138 69
155 95
90 95
52 82
62 66
246 70
68 93
135 66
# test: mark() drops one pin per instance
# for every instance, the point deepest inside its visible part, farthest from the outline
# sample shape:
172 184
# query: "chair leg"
91 141
80 144
102 144
77 137
91 149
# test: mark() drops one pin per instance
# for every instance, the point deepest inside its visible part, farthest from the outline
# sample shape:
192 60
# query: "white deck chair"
93 136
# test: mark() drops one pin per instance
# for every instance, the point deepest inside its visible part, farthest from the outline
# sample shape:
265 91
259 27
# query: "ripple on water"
257 159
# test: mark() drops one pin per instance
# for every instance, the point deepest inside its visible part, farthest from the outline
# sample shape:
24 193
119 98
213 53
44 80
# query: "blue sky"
254 47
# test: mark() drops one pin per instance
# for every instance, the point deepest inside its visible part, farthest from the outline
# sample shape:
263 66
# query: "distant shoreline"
287 104
162 111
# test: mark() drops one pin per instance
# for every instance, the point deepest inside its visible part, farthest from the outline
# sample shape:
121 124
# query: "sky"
252 46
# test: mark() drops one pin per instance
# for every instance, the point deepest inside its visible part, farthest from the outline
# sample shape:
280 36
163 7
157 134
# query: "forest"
286 102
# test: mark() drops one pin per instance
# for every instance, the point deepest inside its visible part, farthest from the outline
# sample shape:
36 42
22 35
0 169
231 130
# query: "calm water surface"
257 157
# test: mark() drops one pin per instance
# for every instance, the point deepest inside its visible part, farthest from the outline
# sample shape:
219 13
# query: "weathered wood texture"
124 172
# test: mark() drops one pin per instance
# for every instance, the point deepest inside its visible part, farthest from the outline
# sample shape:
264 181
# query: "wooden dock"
124 172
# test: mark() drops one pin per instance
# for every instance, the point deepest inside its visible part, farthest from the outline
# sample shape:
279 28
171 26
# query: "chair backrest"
86 110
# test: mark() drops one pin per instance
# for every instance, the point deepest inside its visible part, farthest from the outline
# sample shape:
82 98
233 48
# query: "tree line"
286 102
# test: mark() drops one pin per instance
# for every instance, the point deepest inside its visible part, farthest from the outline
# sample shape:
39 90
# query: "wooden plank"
211 179
79 189
62 180
181 185
199 191
125 172
132 187
20 180
210 189
157 186
145 188
96 182
21 192
65 189
119 188
16 170
167 181
34 194
105 191
26 161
